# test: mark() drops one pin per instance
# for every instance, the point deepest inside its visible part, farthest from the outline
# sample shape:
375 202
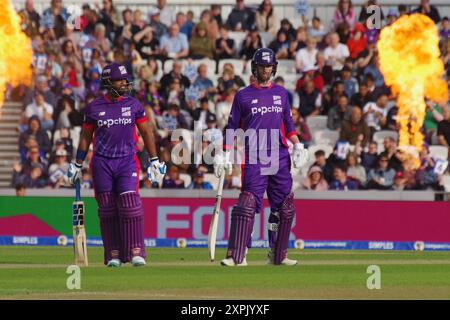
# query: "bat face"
79 234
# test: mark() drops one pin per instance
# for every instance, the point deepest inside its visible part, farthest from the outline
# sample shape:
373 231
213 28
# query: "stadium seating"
439 152
326 137
317 122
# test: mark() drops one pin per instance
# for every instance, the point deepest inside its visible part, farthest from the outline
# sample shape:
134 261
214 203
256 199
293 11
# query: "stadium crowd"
189 68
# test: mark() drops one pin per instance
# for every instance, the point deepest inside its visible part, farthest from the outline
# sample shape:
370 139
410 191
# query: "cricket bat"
79 231
212 234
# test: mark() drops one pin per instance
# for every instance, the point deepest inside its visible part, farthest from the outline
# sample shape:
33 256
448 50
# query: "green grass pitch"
40 273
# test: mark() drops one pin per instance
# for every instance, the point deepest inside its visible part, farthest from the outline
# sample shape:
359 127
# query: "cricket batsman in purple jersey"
262 107
110 124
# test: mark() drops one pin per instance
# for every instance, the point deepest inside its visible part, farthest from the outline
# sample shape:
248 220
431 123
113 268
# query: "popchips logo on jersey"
113 122
263 110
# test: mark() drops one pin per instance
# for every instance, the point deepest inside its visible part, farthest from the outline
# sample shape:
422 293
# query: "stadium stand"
67 64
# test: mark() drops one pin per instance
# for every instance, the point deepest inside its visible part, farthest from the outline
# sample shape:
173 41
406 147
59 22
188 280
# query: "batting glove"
300 156
74 173
222 164
156 170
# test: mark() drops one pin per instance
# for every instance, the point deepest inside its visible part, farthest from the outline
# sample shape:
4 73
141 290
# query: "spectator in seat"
355 170
310 100
350 83
251 43
241 18
432 117
375 113
266 18
316 30
315 180
357 42
344 13
301 127
394 154
167 14
35 178
362 97
146 43
58 170
229 79
365 14
42 110
199 182
427 9
172 179
355 130
203 83
223 108
425 176
306 57
443 128
341 181
175 44
225 47
336 53
280 45
381 177
38 134
201 45
369 158
289 29
216 14
338 114
170 77
159 28
444 30
202 113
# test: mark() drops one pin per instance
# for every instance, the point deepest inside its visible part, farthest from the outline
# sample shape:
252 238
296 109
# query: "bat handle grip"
77 191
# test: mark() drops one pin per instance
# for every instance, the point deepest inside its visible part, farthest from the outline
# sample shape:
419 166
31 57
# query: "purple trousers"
278 185
116 185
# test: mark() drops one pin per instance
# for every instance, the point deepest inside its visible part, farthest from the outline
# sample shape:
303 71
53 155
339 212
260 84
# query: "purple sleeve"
289 127
88 122
234 120
140 113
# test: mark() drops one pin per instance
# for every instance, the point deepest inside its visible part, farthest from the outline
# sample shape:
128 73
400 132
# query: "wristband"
81 155
153 159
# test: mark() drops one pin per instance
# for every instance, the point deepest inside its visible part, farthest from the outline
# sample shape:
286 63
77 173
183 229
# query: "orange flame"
409 60
16 54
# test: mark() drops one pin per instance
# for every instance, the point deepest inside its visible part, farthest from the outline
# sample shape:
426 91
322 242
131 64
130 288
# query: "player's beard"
122 90
264 77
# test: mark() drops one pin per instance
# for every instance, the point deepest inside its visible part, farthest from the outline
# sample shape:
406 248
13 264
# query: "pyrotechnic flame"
16 54
409 60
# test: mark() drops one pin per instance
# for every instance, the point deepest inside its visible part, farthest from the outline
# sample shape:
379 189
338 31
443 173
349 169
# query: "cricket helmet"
114 72
264 57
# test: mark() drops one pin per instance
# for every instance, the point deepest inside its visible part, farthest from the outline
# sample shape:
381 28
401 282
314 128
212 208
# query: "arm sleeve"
234 120
88 121
287 119
140 113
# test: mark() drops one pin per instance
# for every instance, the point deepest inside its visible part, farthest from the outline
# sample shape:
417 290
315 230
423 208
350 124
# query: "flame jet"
409 61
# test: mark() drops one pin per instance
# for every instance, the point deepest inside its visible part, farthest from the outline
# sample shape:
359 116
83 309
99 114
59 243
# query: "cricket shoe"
229 262
286 261
114 263
138 261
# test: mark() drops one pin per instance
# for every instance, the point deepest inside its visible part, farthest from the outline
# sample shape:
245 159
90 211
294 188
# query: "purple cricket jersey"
266 108
114 122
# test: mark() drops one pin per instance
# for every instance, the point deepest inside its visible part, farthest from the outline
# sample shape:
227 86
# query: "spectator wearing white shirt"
224 107
42 110
336 53
375 113
167 15
306 57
